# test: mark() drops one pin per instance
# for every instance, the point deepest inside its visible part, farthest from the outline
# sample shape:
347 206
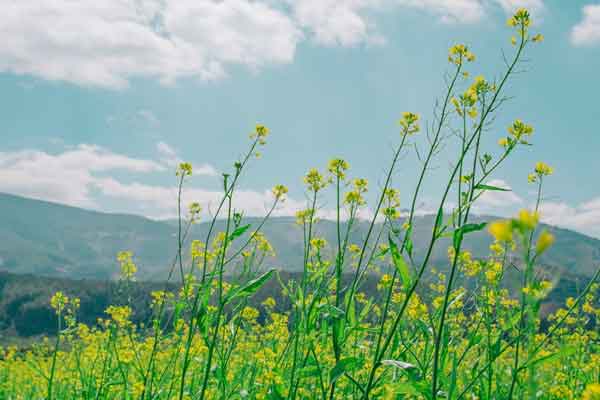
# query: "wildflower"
543 169
128 268
260 134
528 220
119 314
305 216
409 123
545 240
355 196
159 297
59 301
538 38
314 180
250 313
354 248
501 231
279 191
184 169
521 18
458 53
386 280
318 243
338 167
520 130
194 210
592 392
269 302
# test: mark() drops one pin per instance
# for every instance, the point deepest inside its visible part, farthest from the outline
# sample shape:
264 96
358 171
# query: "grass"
206 342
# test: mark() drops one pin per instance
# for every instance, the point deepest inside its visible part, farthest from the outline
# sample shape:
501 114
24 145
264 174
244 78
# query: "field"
455 332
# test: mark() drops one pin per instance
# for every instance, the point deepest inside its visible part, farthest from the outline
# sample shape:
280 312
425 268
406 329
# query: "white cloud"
587 31
66 177
108 42
161 201
510 6
497 202
169 157
451 11
348 22
583 218
338 22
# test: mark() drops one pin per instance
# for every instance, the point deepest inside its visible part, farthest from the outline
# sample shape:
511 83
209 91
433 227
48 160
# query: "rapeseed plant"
418 336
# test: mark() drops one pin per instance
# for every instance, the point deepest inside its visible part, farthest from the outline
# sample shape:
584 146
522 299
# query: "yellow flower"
543 169
538 38
260 134
527 219
314 180
59 301
592 392
458 53
119 314
184 169
519 130
521 18
545 240
194 210
501 231
337 167
279 191
128 268
409 123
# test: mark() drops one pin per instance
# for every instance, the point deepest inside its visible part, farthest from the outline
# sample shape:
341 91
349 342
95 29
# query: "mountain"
48 239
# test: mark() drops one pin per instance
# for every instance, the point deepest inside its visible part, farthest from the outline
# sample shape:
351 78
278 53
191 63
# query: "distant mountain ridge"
51 239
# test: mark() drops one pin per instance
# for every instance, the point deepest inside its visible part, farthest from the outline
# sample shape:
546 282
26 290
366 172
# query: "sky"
100 101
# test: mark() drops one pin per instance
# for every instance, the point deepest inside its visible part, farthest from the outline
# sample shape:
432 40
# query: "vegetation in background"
472 340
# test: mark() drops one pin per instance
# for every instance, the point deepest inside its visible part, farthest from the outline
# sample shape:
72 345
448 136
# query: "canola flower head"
544 242
194 211
184 169
315 181
521 18
337 167
409 123
128 267
279 192
260 135
59 301
501 231
543 169
527 220
460 53
538 38
591 392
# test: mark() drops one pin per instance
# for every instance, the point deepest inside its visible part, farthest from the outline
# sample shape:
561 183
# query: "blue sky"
99 102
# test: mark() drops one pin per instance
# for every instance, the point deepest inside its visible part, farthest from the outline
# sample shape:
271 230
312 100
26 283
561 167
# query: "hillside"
54 240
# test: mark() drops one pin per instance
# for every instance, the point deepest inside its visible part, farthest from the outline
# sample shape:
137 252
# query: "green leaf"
399 263
344 365
250 287
238 232
488 187
467 228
